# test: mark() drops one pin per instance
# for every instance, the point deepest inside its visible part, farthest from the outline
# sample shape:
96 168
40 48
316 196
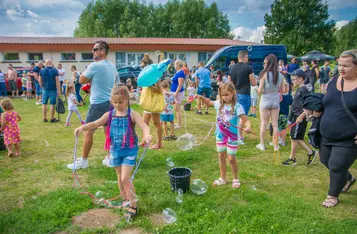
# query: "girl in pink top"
9 126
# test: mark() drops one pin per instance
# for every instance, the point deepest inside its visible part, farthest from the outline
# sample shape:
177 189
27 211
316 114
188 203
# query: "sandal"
129 214
235 184
330 202
173 137
219 182
347 187
11 154
166 138
156 146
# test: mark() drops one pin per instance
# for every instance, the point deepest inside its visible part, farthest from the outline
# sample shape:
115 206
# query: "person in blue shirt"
177 88
102 75
49 82
203 82
324 76
291 67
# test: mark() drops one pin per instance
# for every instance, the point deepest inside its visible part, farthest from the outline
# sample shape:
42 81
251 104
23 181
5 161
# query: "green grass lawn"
37 194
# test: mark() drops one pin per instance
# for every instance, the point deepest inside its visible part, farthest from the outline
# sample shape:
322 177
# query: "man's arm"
83 79
58 85
252 79
40 80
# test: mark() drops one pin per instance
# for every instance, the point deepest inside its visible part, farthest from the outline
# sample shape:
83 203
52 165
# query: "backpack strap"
345 105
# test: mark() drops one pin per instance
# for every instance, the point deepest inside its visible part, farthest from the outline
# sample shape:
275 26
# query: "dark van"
222 57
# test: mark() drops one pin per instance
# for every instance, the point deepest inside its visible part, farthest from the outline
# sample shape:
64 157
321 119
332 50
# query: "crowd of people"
238 91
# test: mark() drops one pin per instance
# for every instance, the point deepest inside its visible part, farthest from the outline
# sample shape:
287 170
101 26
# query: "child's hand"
247 129
147 139
78 130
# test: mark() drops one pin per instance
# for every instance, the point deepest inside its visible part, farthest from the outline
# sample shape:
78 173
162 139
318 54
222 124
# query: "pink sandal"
235 184
219 182
156 146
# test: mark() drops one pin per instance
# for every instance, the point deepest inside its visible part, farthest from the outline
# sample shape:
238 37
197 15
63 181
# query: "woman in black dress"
338 129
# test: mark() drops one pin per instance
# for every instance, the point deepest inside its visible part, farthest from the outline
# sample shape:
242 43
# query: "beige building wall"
56 57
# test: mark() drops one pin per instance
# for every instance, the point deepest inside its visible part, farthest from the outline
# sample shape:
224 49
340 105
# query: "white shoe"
38 103
177 126
281 142
80 164
261 147
106 161
240 141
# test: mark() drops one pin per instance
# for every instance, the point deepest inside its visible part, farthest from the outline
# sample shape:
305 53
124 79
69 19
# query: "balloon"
152 73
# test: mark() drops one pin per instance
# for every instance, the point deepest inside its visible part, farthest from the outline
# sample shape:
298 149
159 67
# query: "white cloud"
74 4
341 23
32 14
246 34
13 14
337 4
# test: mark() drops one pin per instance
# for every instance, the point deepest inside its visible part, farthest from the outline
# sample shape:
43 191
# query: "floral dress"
11 130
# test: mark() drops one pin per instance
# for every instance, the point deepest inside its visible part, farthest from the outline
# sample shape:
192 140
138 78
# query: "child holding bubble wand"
122 141
229 113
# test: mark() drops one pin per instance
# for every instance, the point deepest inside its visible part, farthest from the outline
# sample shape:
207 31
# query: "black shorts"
96 111
298 131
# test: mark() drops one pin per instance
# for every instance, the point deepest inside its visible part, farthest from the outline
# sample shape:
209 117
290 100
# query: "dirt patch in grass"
96 218
132 231
157 220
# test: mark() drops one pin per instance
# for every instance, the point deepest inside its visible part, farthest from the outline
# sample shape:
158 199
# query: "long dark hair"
271 66
220 75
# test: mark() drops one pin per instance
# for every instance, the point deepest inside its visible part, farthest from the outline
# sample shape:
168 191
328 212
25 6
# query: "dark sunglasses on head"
349 53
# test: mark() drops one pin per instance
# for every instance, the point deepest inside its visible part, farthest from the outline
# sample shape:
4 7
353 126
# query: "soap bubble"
249 48
115 203
170 162
186 141
199 187
179 197
99 194
169 216
254 188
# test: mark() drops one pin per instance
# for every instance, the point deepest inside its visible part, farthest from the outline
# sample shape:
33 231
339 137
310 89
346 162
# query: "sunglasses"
96 49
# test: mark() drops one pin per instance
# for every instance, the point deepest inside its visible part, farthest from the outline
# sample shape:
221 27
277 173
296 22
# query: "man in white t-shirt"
62 76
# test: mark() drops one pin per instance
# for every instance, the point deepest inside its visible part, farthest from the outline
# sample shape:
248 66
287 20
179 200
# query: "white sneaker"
261 147
80 164
240 141
281 142
38 103
177 126
106 161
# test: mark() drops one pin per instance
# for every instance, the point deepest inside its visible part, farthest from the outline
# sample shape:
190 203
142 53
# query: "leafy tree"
131 18
346 37
301 25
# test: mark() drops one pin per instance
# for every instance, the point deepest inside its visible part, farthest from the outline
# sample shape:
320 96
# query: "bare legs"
223 167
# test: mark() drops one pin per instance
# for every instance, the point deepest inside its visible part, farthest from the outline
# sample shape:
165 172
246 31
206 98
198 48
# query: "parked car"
256 54
131 72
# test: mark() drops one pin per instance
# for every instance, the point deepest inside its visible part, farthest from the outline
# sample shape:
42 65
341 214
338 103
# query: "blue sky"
59 17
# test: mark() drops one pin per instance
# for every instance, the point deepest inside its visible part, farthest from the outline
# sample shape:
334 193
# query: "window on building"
177 55
120 59
11 56
68 56
35 56
87 56
201 56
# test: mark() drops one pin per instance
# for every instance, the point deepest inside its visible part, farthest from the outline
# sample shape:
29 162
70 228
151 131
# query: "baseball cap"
299 73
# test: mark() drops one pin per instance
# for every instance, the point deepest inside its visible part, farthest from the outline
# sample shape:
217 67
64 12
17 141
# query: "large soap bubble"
199 187
169 216
186 141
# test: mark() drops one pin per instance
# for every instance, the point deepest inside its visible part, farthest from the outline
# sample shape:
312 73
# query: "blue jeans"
245 101
78 92
38 88
3 91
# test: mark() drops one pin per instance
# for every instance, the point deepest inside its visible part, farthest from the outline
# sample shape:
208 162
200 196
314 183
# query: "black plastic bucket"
180 178
187 107
2 144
